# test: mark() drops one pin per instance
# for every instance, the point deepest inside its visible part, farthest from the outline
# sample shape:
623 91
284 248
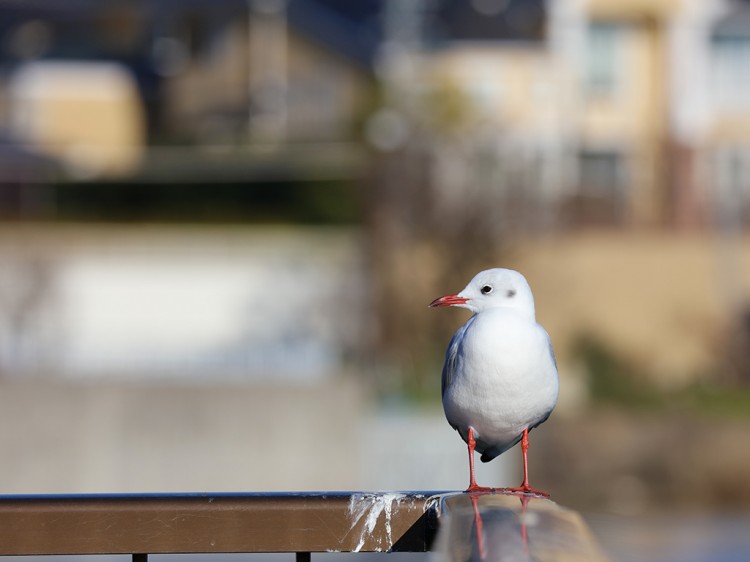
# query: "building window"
603 59
600 173
732 184
601 195
730 57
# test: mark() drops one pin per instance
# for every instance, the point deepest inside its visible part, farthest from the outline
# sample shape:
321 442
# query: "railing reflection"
500 527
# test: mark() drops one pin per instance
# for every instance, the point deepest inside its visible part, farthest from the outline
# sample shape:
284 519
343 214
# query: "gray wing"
451 356
551 350
450 363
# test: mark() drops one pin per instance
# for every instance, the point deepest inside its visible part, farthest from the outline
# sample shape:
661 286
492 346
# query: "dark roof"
359 11
488 20
735 24
351 28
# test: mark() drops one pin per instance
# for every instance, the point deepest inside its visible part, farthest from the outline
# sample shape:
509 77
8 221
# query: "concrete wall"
62 437
59 437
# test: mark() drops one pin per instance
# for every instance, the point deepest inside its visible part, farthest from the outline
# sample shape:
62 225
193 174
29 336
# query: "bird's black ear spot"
511 293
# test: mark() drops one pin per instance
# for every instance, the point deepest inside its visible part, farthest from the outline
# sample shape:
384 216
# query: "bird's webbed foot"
524 489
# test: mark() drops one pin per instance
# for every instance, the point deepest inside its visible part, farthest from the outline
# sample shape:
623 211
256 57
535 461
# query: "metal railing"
486 526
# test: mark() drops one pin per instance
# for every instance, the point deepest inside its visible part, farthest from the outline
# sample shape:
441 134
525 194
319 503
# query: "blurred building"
267 71
629 113
158 79
594 111
665 90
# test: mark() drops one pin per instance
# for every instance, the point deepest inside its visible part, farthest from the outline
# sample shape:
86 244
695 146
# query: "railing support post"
303 557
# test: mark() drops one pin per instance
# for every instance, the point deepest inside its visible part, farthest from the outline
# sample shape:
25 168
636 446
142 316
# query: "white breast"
503 378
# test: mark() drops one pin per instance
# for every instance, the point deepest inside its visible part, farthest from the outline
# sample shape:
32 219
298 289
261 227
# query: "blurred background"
222 222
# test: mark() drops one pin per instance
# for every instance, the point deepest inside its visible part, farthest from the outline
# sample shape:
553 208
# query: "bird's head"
493 288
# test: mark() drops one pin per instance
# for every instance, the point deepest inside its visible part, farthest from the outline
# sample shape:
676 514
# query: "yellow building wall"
622 9
89 115
633 120
513 87
635 112
730 128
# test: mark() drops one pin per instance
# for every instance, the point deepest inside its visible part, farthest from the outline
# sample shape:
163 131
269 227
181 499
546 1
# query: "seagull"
500 376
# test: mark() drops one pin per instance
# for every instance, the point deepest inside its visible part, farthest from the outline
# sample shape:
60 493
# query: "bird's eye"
487 289
511 293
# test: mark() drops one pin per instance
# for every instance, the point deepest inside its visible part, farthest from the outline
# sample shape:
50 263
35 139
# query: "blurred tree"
435 217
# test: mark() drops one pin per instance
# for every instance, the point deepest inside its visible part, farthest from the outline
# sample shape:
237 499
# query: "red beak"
449 300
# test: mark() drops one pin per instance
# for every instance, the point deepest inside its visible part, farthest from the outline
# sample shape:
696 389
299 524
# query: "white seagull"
500 376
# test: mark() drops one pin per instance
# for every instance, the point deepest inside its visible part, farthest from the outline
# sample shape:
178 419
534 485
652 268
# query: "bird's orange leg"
525 488
472 482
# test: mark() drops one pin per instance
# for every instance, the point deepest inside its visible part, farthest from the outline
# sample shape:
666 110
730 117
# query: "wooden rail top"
471 526
214 523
